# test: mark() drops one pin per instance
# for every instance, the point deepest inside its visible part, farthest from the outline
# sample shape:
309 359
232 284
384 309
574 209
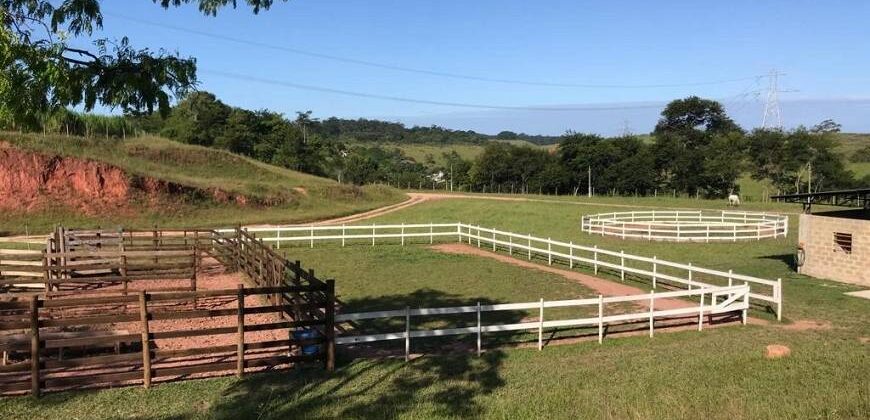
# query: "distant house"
438 177
834 244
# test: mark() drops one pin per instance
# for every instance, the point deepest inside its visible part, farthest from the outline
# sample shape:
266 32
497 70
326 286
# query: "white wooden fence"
654 269
687 226
721 300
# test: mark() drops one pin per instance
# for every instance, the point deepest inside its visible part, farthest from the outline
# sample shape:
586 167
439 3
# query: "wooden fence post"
549 251
571 254
600 319
779 299
407 333
622 265
652 304
240 343
541 326
329 325
35 383
146 340
595 258
479 330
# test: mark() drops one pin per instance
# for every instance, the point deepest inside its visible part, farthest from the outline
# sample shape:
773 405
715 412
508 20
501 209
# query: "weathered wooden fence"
138 324
119 340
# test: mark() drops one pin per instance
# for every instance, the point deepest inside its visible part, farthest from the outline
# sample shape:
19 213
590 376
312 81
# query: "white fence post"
312 236
511 244
373 234
746 303
493 240
655 272
600 319
402 233
459 232
343 234
652 303
431 236
701 313
571 254
690 276
541 326
778 294
469 234
530 247
478 236
479 329
595 258
407 333
730 278
549 252
622 265
278 238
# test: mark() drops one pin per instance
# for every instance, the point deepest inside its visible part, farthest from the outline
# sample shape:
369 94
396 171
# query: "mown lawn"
717 374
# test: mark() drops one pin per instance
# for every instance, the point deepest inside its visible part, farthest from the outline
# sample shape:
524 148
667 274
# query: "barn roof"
859 197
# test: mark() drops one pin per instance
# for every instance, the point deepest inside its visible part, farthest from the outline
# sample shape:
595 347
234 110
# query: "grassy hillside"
306 197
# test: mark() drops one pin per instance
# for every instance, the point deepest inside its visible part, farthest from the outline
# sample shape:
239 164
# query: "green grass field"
717 374
199 167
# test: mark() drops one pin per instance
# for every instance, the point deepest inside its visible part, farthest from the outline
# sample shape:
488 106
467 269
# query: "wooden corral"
86 325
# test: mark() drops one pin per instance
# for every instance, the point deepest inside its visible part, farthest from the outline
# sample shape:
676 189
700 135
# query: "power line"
274 82
422 71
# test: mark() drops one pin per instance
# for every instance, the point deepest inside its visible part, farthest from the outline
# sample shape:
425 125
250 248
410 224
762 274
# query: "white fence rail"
528 246
721 300
687 226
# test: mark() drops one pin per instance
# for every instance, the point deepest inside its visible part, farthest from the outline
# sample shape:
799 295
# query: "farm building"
835 244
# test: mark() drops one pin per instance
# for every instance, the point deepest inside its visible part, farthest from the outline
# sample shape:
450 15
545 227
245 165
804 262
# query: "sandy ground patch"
604 287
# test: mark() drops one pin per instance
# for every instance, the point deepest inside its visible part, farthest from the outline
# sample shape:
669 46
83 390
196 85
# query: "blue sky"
821 46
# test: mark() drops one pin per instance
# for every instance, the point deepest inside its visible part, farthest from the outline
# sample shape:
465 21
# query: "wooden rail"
140 357
120 339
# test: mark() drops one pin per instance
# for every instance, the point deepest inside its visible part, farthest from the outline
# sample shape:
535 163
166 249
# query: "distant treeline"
695 149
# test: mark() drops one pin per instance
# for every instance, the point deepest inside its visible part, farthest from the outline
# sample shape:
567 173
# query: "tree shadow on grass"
444 378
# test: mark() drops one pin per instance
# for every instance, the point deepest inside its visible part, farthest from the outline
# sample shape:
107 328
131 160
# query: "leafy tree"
200 118
506 135
861 155
826 126
42 73
790 159
685 138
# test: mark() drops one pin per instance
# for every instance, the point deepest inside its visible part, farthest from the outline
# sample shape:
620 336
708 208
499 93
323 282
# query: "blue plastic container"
307 334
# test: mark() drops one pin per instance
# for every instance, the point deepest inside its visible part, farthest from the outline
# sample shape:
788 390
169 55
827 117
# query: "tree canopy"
41 73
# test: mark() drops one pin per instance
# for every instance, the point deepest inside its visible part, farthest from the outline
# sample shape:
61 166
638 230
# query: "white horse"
733 200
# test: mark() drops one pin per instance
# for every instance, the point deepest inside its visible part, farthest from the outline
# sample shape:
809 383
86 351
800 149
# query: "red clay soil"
604 287
31 181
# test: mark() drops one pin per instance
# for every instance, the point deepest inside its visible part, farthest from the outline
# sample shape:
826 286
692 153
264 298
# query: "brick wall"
825 259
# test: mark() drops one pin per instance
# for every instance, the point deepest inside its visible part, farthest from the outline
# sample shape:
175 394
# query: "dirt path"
604 287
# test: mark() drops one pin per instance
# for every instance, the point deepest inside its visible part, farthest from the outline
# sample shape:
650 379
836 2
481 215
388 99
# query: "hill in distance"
147 181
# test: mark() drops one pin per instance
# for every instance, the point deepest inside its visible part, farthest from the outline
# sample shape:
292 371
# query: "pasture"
717 373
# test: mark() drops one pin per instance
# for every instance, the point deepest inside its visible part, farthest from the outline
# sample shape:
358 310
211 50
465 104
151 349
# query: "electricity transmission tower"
772 118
